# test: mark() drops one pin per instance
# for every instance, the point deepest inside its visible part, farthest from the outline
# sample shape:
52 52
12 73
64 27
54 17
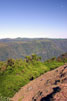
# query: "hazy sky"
33 18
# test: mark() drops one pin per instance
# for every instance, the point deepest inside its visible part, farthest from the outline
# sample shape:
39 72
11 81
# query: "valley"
22 47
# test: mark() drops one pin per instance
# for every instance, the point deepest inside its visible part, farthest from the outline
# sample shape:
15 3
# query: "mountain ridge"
21 47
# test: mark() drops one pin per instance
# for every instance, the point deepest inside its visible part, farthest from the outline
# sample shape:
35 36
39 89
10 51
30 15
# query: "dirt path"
51 86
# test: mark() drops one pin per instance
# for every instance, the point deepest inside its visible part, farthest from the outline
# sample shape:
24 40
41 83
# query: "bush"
19 72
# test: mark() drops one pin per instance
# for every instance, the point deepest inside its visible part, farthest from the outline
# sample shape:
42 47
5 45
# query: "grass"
21 98
53 64
20 72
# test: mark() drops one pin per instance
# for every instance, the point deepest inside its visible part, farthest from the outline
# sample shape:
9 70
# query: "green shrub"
20 72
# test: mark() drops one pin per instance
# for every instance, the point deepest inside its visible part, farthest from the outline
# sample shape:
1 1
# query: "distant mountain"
21 47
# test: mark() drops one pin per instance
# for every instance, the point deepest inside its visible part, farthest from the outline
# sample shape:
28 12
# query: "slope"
19 48
51 86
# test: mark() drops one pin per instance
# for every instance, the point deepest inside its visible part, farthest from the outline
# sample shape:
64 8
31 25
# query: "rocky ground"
51 86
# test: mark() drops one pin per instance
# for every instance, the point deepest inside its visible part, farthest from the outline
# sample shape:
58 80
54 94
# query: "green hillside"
15 73
21 47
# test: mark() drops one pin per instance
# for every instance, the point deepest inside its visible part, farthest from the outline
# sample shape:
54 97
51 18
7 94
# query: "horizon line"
32 38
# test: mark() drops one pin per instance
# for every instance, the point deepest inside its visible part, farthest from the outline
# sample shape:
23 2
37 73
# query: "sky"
33 18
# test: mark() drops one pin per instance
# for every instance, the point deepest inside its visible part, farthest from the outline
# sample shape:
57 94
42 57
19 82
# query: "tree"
10 62
28 58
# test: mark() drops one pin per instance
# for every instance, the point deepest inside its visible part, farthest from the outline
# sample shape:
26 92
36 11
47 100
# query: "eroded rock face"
50 97
52 86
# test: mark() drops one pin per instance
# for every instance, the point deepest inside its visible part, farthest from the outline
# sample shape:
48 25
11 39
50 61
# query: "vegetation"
15 73
4 98
52 64
20 48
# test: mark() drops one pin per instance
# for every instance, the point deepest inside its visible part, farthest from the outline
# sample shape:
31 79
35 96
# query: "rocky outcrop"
51 86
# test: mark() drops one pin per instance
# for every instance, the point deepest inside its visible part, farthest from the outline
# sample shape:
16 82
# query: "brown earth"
51 86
